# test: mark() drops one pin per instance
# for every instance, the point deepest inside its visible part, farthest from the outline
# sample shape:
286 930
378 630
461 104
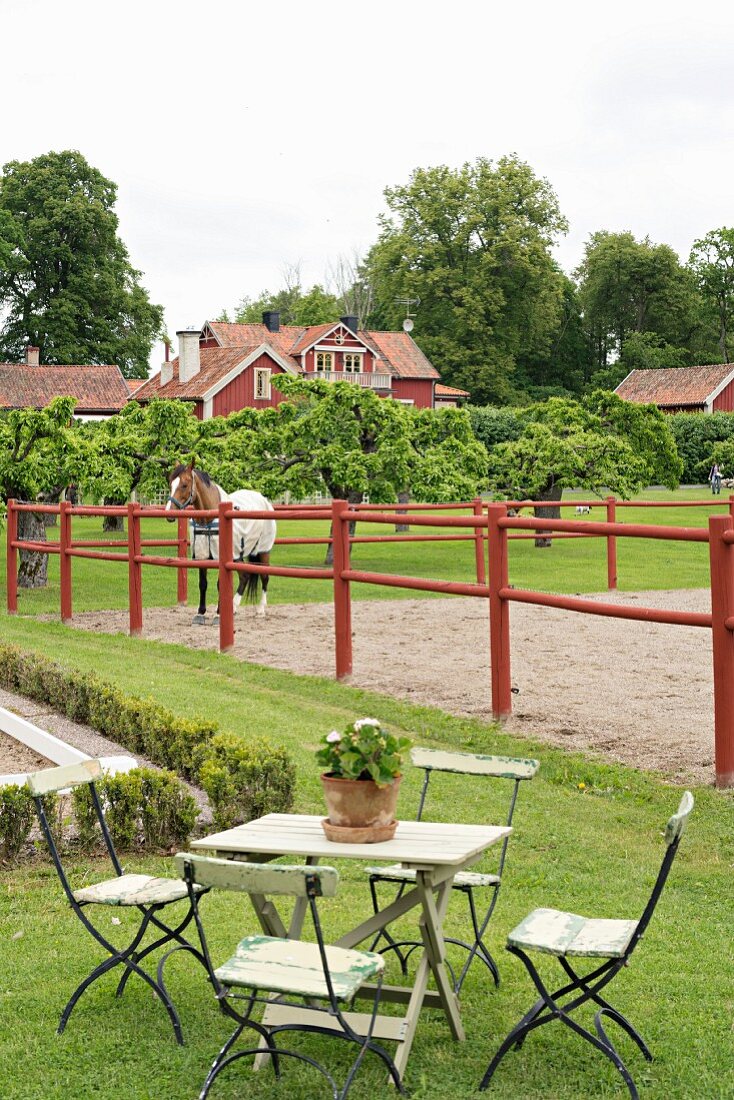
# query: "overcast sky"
245 137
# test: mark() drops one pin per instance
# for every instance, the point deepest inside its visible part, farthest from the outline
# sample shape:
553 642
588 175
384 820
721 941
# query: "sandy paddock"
638 692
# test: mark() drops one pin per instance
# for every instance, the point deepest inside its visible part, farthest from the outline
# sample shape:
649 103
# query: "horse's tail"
253 581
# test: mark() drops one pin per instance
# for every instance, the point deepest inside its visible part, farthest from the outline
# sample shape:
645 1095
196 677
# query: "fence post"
12 559
722 607
226 586
134 570
479 533
611 545
342 593
731 505
499 612
183 552
65 559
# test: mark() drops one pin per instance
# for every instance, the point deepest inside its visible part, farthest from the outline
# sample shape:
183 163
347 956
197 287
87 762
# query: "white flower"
333 737
366 722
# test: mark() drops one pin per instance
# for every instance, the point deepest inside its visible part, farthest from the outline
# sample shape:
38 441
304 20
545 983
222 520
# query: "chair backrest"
52 780
673 832
258 878
516 770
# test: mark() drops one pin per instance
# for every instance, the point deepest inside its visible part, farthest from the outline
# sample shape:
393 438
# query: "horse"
253 539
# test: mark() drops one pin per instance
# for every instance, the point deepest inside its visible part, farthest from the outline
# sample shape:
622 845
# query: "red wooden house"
226 367
100 390
682 389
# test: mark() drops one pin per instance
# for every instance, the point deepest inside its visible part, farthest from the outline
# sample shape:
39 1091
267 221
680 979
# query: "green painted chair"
511 771
146 893
569 937
272 970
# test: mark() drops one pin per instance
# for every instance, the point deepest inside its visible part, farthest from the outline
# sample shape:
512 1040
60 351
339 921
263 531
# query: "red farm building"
226 367
706 389
100 390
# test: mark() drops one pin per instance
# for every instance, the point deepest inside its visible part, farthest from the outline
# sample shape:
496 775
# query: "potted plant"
362 773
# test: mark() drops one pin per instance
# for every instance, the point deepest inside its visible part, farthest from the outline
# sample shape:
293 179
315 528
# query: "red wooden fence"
489 526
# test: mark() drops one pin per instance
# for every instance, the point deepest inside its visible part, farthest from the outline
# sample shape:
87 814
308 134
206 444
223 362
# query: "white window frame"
262 383
325 367
356 357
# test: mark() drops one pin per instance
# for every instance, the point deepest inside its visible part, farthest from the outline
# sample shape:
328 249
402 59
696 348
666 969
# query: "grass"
588 838
570 565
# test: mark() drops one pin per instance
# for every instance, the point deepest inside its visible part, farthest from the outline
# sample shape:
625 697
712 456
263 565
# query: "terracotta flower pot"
360 805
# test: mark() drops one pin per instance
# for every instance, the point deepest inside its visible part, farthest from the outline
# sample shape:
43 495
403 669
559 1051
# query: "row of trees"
339 439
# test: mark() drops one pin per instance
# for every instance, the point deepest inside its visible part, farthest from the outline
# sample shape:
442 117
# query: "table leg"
434 911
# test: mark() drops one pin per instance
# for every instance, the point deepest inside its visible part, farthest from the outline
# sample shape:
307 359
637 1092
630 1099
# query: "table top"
416 843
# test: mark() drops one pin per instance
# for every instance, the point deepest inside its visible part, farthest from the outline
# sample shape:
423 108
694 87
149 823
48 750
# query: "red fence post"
611 545
342 593
12 559
722 608
226 577
183 552
134 570
499 612
479 534
731 505
65 559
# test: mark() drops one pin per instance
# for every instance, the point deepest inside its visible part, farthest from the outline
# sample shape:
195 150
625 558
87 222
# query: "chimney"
350 322
32 356
188 354
271 320
166 372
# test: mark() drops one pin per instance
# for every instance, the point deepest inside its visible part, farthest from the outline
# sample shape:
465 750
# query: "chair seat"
556 933
292 966
133 890
396 873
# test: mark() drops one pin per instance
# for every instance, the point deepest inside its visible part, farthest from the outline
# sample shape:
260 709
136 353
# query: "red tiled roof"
450 391
231 335
310 335
134 384
215 364
673 386
96 388
402 354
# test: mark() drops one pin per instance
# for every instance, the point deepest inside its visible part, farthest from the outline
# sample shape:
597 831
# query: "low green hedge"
242 779
143 809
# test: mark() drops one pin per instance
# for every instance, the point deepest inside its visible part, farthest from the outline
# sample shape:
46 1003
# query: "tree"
296 307
40 453
640 351
474 246
599 443
628 286
66 282
348 277
712 263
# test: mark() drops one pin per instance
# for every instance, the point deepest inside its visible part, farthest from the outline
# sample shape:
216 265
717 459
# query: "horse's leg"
215 620
200 616
241 586
264 559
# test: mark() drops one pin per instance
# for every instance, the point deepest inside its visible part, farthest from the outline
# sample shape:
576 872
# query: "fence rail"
491 527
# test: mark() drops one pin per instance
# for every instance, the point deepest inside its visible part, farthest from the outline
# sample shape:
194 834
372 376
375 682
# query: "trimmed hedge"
241 779
143 809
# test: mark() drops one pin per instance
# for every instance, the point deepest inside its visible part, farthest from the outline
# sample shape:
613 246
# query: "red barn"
226 367
682 389
100 390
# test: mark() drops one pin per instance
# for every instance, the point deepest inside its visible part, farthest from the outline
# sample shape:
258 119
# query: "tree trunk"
113 523
403 498
552 511
33 567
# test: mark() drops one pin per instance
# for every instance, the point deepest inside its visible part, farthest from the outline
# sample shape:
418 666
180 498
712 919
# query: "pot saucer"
364 834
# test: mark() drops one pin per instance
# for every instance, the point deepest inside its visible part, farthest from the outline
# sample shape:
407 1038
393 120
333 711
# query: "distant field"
570 565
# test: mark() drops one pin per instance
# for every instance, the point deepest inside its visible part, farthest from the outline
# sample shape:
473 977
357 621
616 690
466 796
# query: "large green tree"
628 286
66 281
473 244
712 263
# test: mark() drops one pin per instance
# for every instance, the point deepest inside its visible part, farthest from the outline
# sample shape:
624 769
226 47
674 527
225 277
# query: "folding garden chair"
267 969
145 893
570 937
516 771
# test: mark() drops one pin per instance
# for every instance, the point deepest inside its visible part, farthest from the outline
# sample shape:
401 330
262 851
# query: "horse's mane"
199 473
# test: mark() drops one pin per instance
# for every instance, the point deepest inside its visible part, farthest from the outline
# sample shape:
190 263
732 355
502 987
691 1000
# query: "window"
262 383
324 361
352 362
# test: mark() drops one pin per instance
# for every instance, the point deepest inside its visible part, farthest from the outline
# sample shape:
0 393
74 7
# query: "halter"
192 494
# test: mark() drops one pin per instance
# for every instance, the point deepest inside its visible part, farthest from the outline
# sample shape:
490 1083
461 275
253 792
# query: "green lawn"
570 565
588 838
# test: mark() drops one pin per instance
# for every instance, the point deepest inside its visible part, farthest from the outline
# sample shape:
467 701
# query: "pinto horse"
253 539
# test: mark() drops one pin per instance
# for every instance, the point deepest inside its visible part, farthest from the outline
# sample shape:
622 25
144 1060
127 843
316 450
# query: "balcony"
370 381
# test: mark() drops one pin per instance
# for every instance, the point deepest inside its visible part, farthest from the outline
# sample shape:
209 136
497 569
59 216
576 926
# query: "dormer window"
324 361
353 362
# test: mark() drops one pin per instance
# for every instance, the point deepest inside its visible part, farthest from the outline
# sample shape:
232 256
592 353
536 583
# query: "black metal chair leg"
606 1048
171 934
626 1026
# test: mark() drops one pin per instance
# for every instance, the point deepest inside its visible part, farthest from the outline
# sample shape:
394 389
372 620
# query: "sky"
246 138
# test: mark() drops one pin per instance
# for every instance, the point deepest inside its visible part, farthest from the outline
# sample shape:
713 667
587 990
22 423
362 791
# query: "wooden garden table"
435 851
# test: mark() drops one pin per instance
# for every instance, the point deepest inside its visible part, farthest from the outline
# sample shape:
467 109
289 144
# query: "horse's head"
184 489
